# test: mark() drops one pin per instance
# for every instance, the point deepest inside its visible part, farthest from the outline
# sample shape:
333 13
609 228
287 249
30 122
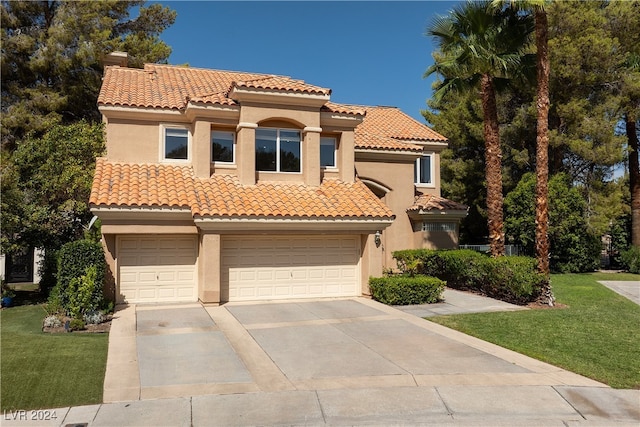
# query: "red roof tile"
153 185
165 86
428 202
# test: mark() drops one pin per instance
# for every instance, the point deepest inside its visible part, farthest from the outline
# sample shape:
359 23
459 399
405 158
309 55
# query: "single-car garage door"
281 267
157 269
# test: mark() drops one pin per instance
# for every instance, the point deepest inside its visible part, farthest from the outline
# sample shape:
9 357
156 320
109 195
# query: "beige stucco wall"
435 240
398 177
209 268
133 141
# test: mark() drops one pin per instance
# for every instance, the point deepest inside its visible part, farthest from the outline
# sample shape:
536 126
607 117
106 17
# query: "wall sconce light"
377 238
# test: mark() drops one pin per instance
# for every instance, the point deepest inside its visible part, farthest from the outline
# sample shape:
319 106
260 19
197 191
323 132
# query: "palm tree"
537 7
480 44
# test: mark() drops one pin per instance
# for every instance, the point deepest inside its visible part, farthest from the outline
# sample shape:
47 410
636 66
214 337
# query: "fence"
509 250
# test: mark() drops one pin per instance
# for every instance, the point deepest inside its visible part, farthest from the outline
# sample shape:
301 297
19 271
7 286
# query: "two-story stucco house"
226 186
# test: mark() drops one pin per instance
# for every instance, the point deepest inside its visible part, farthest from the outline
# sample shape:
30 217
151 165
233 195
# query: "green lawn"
597 335
42 370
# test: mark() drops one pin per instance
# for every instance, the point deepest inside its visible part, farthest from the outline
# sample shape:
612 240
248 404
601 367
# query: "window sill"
421 185
224 165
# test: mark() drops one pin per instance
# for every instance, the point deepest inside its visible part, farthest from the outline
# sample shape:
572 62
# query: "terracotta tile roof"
428 202
282 83
343 108
137 185
153 185
390 122
172 87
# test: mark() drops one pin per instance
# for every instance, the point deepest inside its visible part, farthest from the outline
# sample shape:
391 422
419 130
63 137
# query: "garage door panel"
256 267
157 269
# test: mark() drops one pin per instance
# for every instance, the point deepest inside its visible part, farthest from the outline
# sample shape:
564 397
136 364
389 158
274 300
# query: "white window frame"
335 151
278 130
163 147
431 166
446 227
233 137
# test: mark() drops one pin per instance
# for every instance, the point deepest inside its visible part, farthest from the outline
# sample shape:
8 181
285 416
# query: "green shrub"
631 259
511 279
76 324
80 277
84 294
404 290
73 260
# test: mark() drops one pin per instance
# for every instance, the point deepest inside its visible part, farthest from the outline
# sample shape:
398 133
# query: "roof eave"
274 96
224 223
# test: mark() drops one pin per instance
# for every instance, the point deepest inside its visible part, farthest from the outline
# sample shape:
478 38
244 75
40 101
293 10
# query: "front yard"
41 370
596 335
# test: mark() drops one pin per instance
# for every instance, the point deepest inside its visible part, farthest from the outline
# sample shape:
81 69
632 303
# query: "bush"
73 260
84 294
511 279
81 270
404 290
76 325
631 259
52 322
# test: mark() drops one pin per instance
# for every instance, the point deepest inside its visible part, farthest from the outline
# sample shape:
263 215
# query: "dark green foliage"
50 182
511 279
52 53
84 294
405 290
74 261
76 324
574 247
631 259
48 269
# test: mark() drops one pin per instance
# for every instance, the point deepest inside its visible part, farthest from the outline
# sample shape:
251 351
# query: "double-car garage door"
275 267
163 268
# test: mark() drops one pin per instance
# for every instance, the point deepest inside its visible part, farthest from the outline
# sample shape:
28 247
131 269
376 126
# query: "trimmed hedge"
405 290
513 279
74 259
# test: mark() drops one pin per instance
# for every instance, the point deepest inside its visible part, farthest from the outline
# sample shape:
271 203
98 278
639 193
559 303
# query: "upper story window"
327 152
278 150
222 146
423 171
175 143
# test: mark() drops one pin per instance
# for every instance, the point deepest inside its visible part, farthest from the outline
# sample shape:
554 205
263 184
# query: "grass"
41 370
597 335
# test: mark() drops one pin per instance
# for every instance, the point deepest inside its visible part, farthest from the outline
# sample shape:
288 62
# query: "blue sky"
367 52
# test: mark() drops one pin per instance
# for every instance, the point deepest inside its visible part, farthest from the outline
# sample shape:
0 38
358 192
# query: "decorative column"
311 155
246 155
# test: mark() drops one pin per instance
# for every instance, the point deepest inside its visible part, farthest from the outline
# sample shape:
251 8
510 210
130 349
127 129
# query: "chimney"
115 58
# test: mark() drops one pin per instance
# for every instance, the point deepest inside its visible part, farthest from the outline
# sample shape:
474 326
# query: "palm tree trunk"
493 166
634 177
542 155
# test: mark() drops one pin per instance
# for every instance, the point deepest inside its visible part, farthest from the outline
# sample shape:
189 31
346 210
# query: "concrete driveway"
344 361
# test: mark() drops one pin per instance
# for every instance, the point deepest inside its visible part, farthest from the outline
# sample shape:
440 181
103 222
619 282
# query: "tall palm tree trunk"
493 165
542 154
634 177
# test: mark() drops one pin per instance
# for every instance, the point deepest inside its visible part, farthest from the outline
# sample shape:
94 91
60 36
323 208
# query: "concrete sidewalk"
420 406
459 302
629 289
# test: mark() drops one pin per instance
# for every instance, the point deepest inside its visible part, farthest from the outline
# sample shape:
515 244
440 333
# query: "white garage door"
157 269
274 267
